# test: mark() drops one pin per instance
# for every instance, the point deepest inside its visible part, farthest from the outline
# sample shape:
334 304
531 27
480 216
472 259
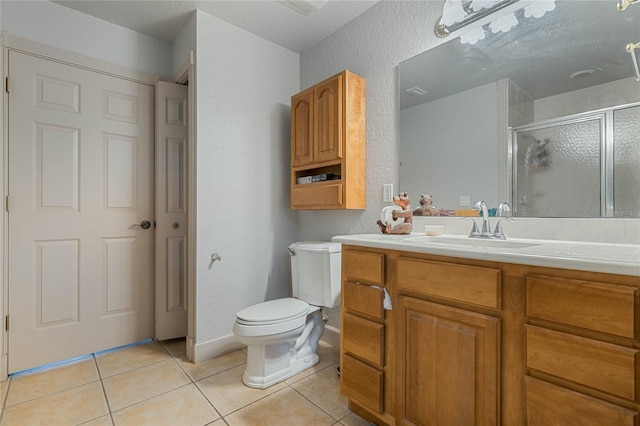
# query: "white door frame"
11 43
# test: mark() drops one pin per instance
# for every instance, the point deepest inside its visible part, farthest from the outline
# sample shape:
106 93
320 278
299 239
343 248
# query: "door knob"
145 224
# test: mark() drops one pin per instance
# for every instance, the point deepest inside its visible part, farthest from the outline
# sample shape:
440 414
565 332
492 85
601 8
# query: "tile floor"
154 384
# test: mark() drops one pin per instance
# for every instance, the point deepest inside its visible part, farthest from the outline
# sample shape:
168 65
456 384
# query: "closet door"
81 212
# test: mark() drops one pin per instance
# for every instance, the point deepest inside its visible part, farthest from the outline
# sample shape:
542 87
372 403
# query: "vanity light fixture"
468 19
631 48
624 4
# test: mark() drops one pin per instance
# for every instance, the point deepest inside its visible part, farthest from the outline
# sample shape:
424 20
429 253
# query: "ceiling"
268 19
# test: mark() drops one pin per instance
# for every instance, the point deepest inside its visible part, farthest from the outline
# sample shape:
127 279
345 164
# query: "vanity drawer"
606 308
603 366
548 405
307 196
363 266
363 299
467 284
361 383
363 338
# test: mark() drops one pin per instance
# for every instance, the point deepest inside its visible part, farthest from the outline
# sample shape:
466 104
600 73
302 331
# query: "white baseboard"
213 348
331 336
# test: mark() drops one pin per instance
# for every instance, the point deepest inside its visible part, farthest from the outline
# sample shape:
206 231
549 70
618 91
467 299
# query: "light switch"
465 201
387 192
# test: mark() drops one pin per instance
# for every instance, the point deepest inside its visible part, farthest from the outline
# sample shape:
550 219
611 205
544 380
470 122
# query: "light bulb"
452 12
473 36
504 23
537 9
477 5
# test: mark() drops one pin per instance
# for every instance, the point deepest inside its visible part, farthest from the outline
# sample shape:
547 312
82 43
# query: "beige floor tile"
143 383
326 350
323 389
69 407
352 419
218 422
3 391
227 393
214 365
34 385
176 347
121 360
286 407
182 406
100 421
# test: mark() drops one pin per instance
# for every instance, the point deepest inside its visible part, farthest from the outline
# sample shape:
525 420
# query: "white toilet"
282 335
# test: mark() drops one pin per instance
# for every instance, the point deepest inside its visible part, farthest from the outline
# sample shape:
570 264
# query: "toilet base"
296 366
272 359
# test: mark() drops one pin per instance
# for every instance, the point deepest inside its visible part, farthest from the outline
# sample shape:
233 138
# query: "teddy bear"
426 206
402 200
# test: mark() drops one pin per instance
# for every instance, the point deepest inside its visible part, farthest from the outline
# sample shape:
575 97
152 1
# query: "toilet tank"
315 272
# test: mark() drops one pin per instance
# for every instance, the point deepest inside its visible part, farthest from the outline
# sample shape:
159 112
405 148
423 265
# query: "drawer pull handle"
386 303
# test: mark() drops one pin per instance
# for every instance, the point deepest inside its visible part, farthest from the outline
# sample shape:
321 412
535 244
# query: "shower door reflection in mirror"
578 166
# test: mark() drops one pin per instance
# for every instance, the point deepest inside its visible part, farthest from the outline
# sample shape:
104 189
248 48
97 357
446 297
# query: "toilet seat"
273 312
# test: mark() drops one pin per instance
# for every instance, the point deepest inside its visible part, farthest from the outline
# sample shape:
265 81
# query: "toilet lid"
273 311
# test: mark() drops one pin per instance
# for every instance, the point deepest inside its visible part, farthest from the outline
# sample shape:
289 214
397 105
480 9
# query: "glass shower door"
557 168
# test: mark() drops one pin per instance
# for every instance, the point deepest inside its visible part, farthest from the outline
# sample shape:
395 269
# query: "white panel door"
171 210
80 175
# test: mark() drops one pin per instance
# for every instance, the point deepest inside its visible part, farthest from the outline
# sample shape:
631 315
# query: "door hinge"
6 203
6 323
7 84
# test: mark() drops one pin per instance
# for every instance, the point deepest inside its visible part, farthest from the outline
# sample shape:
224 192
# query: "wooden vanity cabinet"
363 337
582 351
471 342
448 357
328 138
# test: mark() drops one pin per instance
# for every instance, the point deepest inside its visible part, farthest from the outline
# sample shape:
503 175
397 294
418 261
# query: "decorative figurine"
397 219
426 206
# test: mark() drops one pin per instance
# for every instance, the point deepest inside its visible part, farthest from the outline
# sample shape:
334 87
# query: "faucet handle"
503 210
497 232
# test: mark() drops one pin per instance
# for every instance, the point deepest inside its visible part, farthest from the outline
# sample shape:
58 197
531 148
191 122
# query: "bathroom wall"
619 92
371 45
437 127
58 26
183 43
243 108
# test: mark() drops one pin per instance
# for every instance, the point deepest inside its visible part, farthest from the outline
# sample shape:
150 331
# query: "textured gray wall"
372 45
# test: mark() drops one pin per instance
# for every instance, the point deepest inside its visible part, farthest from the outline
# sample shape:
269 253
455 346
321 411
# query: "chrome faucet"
503 210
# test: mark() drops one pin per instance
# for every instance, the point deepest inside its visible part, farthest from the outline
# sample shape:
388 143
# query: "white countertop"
623 259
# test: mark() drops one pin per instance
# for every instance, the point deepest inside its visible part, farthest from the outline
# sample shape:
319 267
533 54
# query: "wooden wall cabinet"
473 342
328 139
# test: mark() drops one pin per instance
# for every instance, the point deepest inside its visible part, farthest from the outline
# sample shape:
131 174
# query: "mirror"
500 120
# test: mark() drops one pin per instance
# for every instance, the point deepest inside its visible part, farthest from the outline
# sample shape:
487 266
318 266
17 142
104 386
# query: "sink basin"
470 242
